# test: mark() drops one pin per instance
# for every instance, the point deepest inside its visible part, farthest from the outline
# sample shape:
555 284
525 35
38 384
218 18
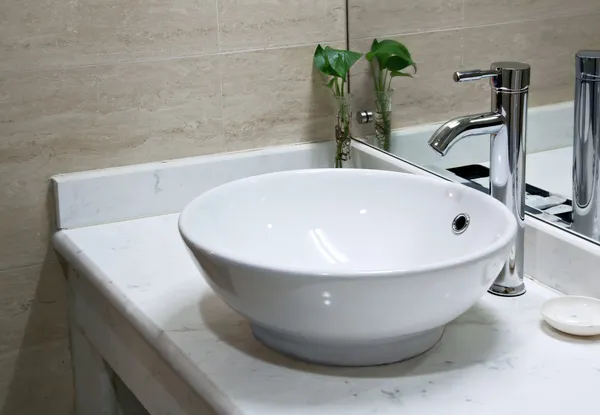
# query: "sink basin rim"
293 271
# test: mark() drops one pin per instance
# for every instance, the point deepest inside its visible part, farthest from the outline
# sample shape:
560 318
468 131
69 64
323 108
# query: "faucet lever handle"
474 75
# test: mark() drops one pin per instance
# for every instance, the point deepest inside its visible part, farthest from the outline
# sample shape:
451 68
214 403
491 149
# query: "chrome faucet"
507 125
586 145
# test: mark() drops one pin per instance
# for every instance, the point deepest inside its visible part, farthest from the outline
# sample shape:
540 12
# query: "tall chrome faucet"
507 125
586 145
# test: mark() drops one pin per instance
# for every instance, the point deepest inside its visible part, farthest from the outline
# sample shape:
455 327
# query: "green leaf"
395 74
341 60
397 63
391 55
321 62
392 47
331 83
369 56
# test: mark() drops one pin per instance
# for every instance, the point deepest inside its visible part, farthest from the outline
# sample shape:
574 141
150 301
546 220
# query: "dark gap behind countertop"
476 171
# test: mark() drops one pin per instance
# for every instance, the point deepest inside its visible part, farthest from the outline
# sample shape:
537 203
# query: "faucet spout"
458 128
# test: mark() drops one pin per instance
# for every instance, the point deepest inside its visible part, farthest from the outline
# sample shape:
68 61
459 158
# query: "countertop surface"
498 358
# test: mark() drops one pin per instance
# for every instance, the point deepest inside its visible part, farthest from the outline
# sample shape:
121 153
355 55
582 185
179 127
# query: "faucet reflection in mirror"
336 63
507 125
586 145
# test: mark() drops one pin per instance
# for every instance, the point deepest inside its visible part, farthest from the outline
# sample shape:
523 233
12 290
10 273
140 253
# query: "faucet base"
507 291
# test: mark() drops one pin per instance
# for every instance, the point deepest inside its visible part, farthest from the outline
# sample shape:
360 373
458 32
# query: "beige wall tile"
252 24
432 95
25 221
35 372
274 97
91 117
50 34
37 380
549 46
481 12
385 18
33 309
105 109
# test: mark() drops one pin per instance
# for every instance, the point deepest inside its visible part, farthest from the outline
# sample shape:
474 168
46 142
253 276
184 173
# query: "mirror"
457 35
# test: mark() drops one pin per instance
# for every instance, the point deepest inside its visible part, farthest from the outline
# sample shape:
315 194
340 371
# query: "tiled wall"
95 83
447 35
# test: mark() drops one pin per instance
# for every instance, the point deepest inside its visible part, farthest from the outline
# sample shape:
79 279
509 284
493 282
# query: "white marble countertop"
498 358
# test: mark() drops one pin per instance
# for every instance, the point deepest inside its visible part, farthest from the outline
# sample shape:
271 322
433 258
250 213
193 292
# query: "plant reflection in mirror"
388 59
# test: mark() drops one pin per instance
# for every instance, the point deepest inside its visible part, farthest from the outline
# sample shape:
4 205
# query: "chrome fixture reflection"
364 117
586 145
507 125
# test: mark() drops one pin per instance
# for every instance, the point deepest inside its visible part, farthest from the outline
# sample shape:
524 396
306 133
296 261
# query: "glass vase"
342 131
383 119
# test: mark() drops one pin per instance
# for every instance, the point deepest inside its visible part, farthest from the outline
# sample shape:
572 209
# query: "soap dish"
575 315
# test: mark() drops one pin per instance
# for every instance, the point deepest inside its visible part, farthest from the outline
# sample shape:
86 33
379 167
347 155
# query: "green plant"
336 63
387 59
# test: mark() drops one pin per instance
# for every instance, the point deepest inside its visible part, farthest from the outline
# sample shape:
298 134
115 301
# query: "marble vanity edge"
203 386
122 193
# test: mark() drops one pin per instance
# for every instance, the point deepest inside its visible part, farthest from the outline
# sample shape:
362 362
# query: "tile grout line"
462 35
347 24
459 27
166 58
220 73
219 52
423 32
347 5
539 19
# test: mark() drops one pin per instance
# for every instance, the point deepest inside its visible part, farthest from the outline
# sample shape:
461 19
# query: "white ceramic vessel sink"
348 267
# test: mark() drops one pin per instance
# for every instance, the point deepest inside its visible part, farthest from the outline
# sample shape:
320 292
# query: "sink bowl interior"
346 221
